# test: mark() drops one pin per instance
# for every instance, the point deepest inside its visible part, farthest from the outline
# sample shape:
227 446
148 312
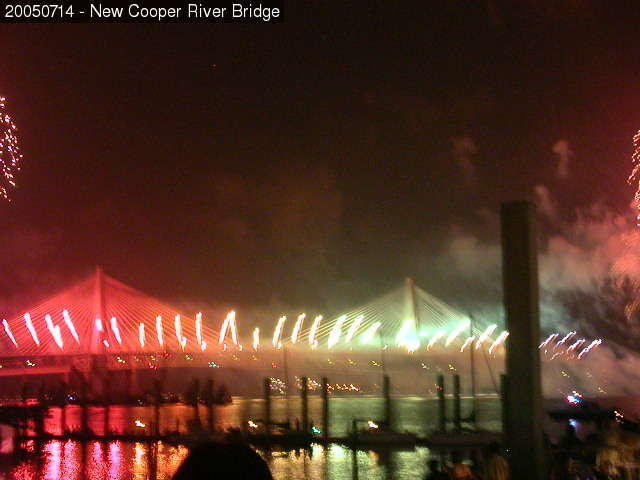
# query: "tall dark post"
520 277
386 392
325 408
267 405
472 368
442 414
457 418
288 385
305 404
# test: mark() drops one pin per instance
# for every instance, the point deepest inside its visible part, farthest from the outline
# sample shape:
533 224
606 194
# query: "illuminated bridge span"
102 316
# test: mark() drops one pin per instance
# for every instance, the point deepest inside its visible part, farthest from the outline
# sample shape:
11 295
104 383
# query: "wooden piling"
325 408
457 418
267 405
304 394
210 398
442 413
386 393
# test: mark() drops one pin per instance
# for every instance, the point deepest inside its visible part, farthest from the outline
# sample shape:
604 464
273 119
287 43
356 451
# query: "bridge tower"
411 304
98 369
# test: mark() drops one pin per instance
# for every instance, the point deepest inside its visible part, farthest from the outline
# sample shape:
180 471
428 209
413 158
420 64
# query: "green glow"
370 333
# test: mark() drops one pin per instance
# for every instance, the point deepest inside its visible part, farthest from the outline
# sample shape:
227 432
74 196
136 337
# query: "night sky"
306 163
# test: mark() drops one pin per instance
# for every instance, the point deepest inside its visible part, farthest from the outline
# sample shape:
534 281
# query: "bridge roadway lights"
523 390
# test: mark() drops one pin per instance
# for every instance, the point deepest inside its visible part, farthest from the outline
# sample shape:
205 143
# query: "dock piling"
209 398
457 418
386 392
442 418
157 389
325 408
267 405
305 404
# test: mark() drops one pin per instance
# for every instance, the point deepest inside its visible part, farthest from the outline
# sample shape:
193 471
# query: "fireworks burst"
297 327
159 330
115 329
334 336
256 338
10 155
314 329
635 173
277 333
8 331
141 334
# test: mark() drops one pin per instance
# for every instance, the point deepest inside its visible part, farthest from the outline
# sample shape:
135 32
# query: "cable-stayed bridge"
102 316
101 321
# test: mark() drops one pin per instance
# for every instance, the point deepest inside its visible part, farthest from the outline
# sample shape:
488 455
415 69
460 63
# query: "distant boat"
578 408
377 433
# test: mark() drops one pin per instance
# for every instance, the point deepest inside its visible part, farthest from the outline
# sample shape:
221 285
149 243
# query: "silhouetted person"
212 461
570 441
434 471
459 470
496 466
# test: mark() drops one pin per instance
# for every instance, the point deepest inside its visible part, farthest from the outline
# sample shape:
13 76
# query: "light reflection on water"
71 460
62 460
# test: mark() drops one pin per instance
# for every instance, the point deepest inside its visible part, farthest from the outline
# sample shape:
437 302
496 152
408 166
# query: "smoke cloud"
464 148
564 153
